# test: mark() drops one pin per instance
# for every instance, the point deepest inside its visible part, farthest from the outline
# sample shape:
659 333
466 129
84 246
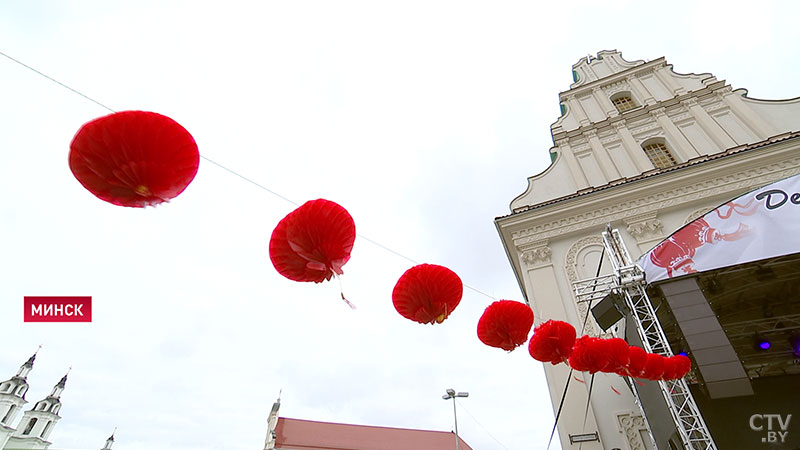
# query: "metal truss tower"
628 281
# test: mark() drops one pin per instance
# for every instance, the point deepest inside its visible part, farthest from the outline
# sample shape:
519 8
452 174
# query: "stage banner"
761 224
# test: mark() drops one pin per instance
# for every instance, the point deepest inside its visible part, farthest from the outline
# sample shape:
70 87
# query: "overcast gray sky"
423 119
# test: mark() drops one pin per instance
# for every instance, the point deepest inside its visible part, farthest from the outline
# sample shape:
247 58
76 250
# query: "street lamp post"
450 393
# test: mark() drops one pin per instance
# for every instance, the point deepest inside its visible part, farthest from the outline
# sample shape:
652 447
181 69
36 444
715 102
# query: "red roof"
299 434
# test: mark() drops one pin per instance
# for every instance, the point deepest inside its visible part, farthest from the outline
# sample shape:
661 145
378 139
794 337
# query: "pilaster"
577 173
634 150
683 148
711 127
610 171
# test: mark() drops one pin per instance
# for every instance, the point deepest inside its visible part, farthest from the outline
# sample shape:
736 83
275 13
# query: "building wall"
724 144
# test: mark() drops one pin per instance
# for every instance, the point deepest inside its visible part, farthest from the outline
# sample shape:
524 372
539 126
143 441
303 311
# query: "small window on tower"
31 423
623 102
659 155
8 414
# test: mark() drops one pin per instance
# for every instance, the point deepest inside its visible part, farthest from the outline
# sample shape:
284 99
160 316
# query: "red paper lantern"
505 324
653 367
134 158
552 342
637 357
676 367
683 365
588 355
313 242
427 293
617 350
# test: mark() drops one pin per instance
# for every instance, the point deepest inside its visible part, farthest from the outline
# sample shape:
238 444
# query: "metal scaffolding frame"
628 281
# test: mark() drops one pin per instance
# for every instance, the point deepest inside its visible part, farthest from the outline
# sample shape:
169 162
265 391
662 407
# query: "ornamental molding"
631 426
592 216
619 86
610 139
696 214
537 257
715 106
658 112
653 133
618 125
645 227
647 127
571 268
577 148
682 117
689 102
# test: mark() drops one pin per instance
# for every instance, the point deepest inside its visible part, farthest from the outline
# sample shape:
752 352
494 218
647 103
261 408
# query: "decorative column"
711 127
641 90
683 147
665 75
634 150
577 173
577 108
604 102
761 128
606 165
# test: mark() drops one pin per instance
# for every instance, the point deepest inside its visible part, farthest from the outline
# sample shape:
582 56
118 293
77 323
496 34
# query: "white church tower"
38 422
12 399
272 423
647 150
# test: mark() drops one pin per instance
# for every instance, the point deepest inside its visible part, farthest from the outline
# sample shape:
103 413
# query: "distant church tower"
109 442
12 399
272 422
38 422
647 150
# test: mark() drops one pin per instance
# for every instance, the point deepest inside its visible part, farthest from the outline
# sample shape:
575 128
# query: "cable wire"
231 171
480 424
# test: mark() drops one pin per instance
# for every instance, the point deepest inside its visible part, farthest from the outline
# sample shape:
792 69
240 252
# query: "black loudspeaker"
609 310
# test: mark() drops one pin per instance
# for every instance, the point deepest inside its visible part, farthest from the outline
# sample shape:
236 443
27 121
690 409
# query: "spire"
110 441
272 422
28 365
59 387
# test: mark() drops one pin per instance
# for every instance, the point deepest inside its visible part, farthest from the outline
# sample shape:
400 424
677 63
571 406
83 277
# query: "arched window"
8 414
31 423
5 387
21 390
659 154
46 429
42 406
623 102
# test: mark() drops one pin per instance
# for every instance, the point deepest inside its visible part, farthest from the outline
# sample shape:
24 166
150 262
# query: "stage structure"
650 150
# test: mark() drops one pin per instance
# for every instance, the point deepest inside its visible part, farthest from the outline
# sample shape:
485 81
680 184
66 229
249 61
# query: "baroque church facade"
647 150
34 428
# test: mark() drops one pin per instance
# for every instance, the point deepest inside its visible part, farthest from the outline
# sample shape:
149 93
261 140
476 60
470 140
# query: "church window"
9 413
623 102
659 155
5 387
47 429
31 423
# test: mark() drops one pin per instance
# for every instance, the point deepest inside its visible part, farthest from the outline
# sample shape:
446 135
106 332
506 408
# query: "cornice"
612 79
634 114
629 201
